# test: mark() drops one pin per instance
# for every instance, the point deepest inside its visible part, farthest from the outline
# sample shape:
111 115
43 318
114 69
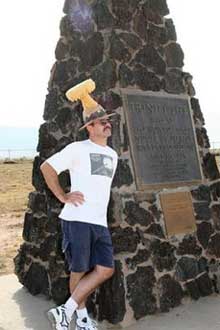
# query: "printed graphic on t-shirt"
101 165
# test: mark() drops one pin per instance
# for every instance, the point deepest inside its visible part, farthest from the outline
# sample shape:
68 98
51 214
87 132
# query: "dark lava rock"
123 175
62 73
111 297
76 46
140 24
62 49
20 262
110 100
149 57
174 55
141 256
53 224
193 289
105 76
140 292
126 138
132 41
151 16
200 287
124 240
204 231
157 35
114 140
67 28
210 167
214 245
65 117
60 290
37 202
215 190
34 228
118 51
174 82
202 210
91 51
202 193
202 137
146 80
190 89
197 113
205 138
205 285
125 75
186 269
46 139
36 280
163 255
155 230
37 177
215 211
123 13
159 6
80 15
48 246
137 215
102 15
56 268
189 246
171 293
110 211
91 305
170 29
203 265
52 104
153 208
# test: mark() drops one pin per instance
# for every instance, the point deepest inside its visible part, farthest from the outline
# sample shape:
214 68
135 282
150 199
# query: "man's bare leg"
88 283
74 280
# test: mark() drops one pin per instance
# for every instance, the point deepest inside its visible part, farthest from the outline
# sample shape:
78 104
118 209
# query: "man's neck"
100 141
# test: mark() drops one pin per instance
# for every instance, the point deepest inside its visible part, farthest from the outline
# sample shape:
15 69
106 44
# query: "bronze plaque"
162 139
178 213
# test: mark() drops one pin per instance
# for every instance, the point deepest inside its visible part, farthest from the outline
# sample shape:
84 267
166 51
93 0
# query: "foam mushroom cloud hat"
91 109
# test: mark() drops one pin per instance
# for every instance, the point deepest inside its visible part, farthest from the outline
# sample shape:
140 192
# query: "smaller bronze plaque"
178 213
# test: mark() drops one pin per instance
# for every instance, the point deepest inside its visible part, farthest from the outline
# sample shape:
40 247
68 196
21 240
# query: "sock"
70 305
81 313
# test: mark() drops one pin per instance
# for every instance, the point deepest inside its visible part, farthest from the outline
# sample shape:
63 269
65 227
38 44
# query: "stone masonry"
121 44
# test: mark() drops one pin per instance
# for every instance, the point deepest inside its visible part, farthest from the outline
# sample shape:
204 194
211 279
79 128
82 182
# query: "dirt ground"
11 227
15 185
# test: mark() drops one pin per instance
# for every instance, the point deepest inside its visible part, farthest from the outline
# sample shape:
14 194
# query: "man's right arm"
51 178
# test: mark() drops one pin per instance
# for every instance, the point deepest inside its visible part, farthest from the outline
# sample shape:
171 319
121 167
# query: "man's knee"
104 272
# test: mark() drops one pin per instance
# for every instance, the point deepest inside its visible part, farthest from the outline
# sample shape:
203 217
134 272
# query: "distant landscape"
18 142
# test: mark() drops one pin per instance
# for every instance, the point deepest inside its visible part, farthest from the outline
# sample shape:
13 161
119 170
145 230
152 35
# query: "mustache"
106 127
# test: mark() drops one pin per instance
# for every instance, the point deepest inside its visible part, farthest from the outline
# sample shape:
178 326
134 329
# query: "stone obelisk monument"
164 211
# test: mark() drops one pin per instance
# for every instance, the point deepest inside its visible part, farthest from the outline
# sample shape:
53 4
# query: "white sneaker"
58 318
86 324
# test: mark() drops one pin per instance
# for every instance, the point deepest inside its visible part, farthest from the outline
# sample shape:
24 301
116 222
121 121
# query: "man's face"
101 128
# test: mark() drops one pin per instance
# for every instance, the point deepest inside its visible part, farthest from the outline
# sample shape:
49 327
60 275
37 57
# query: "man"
86 238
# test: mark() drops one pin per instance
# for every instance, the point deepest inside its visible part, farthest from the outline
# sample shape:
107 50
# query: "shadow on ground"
32 309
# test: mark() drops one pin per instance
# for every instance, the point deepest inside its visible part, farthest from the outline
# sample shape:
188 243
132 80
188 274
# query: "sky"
29 31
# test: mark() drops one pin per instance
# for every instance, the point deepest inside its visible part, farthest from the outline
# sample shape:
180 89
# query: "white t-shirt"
92 168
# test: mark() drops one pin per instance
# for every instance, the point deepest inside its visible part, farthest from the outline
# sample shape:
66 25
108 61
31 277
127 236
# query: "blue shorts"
86 245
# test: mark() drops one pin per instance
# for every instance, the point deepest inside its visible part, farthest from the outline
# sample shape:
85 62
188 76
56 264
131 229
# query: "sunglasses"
102 122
